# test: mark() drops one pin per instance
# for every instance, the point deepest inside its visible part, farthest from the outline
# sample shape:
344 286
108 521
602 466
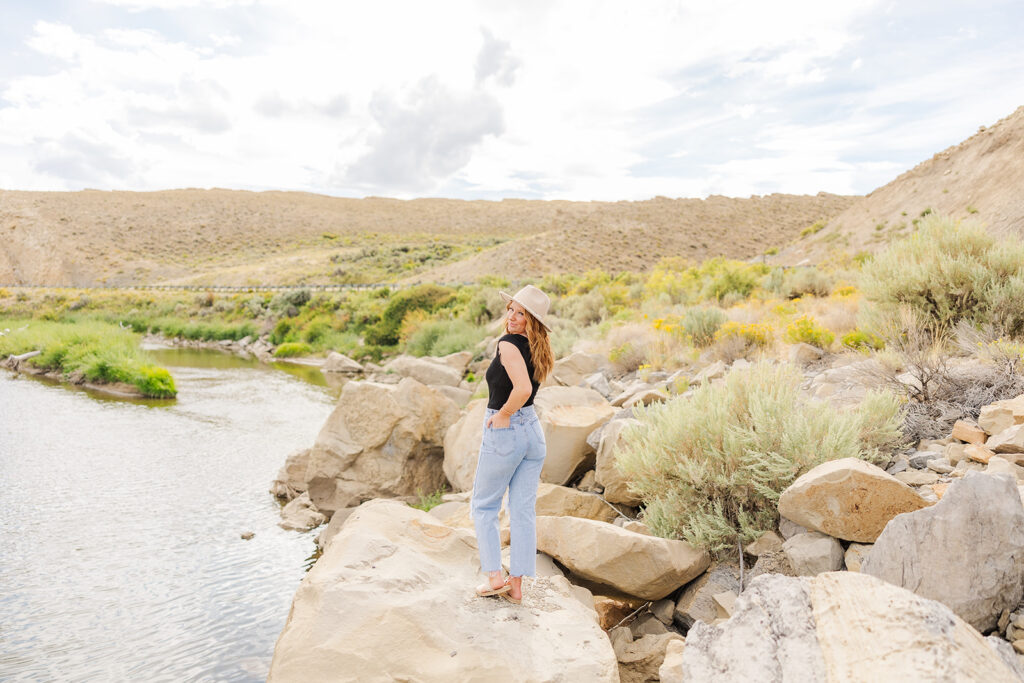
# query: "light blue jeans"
509 459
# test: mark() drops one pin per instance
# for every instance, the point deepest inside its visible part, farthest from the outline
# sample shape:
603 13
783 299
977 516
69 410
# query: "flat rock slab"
392 599
848 499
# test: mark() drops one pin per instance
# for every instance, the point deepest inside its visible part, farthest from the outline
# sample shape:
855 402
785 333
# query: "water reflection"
120 524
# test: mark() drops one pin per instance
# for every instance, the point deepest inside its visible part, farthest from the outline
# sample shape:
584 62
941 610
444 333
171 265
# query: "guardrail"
215 288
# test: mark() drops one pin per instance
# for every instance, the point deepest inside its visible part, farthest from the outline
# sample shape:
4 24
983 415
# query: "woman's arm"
514 364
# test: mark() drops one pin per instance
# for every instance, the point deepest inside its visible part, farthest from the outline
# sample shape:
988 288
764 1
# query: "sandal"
508 594
484 590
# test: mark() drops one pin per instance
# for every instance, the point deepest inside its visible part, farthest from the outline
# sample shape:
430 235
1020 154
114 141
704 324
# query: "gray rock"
771 637
839 626
900 465
664 610
1007 654
647 625
940 465
813 553
788 528
697 600
966 551
341 364
920 459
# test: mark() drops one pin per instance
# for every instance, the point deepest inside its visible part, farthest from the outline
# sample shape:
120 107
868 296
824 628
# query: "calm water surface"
120 555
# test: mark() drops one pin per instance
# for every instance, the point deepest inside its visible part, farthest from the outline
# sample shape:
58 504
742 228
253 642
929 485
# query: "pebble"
246 535
899 466
940 465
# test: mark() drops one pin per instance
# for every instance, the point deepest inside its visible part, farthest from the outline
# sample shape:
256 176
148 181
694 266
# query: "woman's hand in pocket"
498 421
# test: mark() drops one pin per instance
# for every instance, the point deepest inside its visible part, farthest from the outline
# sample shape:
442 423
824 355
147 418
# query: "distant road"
227 288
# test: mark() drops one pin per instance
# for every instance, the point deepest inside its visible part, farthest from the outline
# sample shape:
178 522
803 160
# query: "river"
120 523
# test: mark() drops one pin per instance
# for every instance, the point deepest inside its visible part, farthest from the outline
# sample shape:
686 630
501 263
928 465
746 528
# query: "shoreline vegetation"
677 314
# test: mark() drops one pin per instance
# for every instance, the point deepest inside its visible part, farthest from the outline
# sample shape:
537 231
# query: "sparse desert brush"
947 272
813 229
717 279
631 346
421 297
799 282
701 324
807 331
582 309
710 468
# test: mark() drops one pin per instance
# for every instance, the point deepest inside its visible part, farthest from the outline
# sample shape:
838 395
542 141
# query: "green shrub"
292 349
710 468
441 337
155 382
862 341
702 323
813 229
428 501
422 297
805 330
947 272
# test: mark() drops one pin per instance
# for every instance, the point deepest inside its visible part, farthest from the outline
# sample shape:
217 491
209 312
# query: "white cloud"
577 99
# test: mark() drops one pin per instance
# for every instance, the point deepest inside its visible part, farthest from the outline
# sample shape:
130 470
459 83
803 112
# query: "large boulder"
381 440
425 370
839 626
967 550
568 415
462 445
848 499
392 599
606 470
556 501
645 566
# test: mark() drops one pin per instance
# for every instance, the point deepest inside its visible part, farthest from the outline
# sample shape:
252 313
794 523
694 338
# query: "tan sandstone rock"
645 566
978 453
555 501
848 499
1010 440
425 370
813 553
768 542
568 415
462 445
392 599
855 555
380 441
615 483
968 432
341 364
839 626
300 515
640 660
291 480
572 369
1001 415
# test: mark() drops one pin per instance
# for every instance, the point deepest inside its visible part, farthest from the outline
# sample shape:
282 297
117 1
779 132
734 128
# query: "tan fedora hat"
533 300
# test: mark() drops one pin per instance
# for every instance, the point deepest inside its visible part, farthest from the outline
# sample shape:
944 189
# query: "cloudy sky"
491 99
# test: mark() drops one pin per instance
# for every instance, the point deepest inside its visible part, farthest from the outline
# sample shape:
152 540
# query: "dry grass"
242 238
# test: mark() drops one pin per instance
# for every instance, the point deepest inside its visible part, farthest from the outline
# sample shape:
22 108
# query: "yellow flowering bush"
804 329
755 334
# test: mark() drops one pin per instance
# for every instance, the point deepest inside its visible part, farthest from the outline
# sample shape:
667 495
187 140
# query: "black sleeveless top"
499 385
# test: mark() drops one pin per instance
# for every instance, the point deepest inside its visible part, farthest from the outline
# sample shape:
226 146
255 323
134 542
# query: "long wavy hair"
540 345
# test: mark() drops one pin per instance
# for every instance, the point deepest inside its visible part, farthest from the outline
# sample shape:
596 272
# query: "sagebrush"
710 468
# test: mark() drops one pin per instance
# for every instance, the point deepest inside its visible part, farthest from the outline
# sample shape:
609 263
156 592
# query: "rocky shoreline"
914 571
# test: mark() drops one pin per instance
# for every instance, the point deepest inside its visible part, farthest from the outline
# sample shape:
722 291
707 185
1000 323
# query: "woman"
512 449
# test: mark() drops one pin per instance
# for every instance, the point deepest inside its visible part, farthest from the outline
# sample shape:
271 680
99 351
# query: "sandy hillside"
981 178
246 238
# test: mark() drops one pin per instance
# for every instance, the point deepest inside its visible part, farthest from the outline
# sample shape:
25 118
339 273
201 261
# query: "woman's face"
515 321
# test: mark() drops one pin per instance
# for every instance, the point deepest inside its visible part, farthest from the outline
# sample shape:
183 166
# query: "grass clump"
805 330
710 469
428 501
292 349
93 350
945 273
859 340
441 337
